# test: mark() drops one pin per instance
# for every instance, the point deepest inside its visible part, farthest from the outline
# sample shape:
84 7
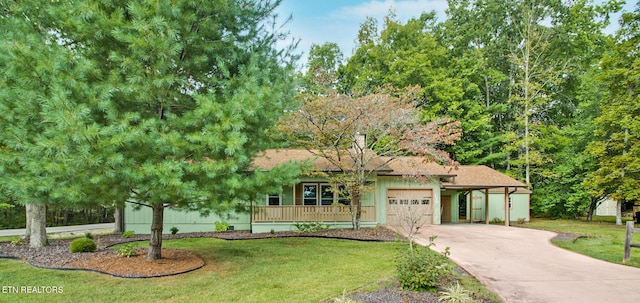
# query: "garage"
406 205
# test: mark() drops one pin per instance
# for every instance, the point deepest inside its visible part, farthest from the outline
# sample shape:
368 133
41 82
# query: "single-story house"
444 195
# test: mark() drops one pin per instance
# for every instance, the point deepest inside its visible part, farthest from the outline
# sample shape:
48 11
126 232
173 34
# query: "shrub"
17 242
88 235
455 293
128 234
423 270
221 226
174 230
521 220
344 298
126 250
82 245
310 227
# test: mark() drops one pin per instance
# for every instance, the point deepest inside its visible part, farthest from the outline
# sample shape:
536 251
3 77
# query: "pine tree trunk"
27 233
119 216
155 244
38 221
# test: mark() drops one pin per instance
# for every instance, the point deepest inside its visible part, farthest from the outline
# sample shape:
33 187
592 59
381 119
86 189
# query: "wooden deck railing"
303 213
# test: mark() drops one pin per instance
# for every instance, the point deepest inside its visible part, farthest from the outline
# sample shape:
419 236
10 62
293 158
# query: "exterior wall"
455 214
140 221
519 206
608 207
392 182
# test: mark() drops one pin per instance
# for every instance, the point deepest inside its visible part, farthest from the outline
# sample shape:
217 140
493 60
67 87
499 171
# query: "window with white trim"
310 194
274 200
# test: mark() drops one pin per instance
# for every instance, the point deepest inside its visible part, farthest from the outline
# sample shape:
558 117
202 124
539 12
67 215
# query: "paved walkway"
521 265
107 227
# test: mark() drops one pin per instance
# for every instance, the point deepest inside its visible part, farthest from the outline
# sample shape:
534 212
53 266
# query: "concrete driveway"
521 265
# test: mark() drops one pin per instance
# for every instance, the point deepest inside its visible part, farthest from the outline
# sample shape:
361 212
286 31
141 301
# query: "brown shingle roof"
463 176
416 166
273 157
480 176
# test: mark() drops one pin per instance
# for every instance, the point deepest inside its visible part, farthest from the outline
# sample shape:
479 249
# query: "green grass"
273 270
601 239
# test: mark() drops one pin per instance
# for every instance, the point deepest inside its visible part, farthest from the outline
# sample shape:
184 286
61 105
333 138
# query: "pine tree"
182 94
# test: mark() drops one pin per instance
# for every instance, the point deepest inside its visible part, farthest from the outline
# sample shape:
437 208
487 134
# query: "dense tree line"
542 92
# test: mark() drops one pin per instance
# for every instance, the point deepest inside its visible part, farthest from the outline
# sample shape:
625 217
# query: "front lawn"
268 270
601 239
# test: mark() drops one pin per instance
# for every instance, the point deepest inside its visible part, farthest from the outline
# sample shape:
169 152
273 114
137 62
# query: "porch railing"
304 213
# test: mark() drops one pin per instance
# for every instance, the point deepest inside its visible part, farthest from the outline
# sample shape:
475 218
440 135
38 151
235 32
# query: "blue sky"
320 21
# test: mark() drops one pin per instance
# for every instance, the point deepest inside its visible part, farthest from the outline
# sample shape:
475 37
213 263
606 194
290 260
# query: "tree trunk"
119 216
619 212
27 233
38 221
155 244
592 208
358 214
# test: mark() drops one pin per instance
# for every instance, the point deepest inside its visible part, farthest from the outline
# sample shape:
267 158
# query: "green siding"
140 221
519 206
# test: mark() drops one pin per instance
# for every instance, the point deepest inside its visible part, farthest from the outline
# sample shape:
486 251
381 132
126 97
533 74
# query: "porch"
309 213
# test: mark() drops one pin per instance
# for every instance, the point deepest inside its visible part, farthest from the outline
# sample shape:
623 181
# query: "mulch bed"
176 261
105 260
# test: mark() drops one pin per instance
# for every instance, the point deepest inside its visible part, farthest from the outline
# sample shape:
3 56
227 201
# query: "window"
274 200
425 201
343 195
326 194
393 201
310 194
404 201
415 201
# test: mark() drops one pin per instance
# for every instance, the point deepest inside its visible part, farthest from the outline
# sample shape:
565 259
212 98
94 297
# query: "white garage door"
409 205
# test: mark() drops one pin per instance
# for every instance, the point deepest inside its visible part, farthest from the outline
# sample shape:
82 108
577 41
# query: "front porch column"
506 206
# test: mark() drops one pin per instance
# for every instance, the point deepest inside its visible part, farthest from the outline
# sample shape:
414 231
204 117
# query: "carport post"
486 205
506 206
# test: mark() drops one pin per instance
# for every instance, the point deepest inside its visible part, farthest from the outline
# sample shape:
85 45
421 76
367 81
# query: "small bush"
310 227
221 226
88 235
126 250
174 230
344 298
455 293
128 234
424 270
17 242
521 220
82 245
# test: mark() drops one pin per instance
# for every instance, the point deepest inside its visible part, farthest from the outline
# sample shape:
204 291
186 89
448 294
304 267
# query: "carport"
483 178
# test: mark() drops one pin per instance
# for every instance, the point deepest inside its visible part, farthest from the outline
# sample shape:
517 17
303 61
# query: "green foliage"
221 226
310 226
82 245
127 250
17 242
422 269
88 235
344 298
88 91
174 230
455 293
128 234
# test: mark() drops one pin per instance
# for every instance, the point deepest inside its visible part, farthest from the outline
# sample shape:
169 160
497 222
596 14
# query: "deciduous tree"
361 135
